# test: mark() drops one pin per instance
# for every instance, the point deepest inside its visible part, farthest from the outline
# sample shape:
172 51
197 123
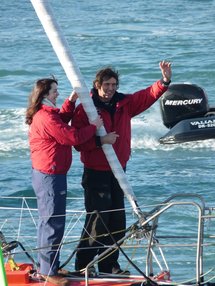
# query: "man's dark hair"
106 74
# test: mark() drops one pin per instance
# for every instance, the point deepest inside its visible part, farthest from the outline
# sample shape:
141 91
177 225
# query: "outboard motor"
183 101
186 113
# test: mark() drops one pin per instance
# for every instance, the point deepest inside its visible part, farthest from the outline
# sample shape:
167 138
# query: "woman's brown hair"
40 90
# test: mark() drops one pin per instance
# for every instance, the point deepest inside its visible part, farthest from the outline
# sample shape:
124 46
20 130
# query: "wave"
13 133
146 131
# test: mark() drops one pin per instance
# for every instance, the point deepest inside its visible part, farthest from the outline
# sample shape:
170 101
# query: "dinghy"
186 112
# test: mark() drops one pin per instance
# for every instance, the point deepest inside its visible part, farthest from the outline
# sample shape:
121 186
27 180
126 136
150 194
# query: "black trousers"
102 193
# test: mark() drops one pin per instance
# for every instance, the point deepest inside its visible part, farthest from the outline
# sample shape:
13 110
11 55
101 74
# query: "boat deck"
156 250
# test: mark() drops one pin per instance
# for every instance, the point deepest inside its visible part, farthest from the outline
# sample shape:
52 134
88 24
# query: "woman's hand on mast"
73 96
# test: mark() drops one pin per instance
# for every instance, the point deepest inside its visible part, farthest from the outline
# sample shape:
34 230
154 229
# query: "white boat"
149 250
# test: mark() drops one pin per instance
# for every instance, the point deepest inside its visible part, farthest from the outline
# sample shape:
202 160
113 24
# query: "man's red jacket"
129 106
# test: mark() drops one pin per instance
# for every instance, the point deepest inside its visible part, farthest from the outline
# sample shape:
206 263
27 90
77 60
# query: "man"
102 191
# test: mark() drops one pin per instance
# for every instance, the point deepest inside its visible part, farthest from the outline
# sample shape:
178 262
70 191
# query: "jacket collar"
110 106
50 108
48 102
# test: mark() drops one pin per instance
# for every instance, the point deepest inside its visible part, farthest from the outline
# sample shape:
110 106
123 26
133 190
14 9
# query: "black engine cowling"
183 101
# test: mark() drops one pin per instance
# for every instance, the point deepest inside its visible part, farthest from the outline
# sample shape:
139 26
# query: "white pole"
61 48
3 277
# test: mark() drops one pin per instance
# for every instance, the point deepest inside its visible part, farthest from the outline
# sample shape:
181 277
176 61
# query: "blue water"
132 37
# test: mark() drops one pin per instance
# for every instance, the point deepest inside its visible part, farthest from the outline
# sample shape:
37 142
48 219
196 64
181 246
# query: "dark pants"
102 193
51 192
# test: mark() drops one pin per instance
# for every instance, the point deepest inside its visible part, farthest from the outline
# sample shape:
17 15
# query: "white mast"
62 50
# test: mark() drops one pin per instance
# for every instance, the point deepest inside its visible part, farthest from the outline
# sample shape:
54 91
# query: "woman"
50 139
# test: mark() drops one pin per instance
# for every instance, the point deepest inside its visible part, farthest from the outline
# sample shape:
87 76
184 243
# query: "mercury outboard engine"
185 111
183 101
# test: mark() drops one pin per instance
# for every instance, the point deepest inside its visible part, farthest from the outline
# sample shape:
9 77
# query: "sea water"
133 37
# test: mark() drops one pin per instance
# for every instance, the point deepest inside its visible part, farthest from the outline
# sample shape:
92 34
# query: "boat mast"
62 50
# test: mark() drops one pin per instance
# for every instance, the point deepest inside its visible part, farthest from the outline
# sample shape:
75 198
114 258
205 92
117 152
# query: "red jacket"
126 108
51 138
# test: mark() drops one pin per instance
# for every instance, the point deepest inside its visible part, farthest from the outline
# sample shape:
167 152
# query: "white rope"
62 50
